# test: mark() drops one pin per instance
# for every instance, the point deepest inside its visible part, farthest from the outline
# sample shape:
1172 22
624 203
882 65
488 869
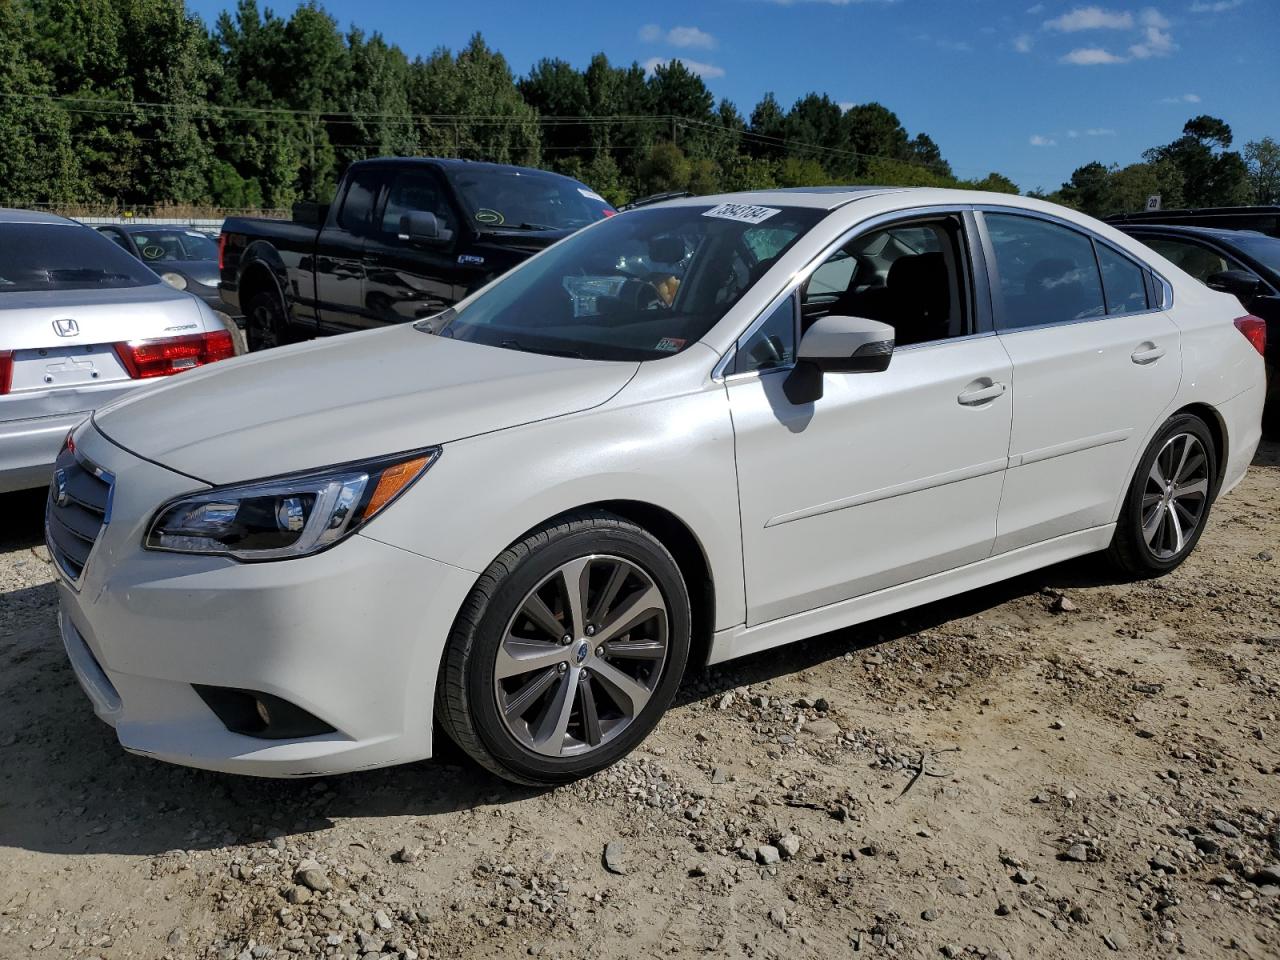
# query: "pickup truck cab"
404 239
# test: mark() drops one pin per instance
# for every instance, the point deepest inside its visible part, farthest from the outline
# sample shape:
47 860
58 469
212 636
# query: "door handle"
980 394
1147 353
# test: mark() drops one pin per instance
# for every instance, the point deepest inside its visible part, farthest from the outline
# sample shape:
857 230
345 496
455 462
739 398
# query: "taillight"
6 370
222 250
1254 330
160 358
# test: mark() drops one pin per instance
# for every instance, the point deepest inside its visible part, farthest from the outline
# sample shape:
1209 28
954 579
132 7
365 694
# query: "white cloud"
1156 42
1151 17
1090 57
1184 98
683 37
1099 132
1037 9
942 43
1090 18
1200 6
706 71
846 105
1022 43
1038 141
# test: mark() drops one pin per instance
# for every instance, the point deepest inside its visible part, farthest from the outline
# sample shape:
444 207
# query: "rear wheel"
1167 505
568 651
265 322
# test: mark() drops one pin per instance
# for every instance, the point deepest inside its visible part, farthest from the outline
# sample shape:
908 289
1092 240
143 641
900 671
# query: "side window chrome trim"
1162 285
798 278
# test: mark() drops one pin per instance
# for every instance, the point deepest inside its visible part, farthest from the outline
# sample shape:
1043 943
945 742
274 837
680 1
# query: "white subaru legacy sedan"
693 431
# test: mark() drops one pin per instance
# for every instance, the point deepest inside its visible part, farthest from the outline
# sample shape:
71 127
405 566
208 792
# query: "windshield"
1266 250
180 244
646 284
56 256
511 199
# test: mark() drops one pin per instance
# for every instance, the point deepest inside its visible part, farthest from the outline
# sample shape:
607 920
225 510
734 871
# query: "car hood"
347 398
201 271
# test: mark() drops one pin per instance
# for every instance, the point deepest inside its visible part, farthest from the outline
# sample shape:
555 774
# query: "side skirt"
741 640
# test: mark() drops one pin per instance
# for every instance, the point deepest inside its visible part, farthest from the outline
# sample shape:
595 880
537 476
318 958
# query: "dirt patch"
1058 766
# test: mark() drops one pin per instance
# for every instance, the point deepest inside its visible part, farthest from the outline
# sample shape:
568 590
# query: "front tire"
567 652
1167 505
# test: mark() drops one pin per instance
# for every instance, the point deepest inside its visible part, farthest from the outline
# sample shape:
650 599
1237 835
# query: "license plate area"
51 368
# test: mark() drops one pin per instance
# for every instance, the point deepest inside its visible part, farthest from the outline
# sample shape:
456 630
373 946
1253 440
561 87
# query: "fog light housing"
262 715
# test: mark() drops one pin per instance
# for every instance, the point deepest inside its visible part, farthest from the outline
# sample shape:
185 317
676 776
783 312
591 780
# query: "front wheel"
1167 504
567 652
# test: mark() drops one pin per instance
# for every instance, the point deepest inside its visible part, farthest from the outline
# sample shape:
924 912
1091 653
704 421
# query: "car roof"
14 215
1215 233
152 227
454 163
831 197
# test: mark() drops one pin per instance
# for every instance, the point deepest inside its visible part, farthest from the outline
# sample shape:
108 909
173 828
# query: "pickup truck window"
415 192
515 199
640 286
357 205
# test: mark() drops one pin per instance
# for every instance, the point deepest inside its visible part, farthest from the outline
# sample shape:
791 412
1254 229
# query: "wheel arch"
258 276
1217 430
690 555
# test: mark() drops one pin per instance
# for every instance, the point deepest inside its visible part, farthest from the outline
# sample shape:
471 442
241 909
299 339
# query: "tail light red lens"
222 250
1254 330
160 358
6 371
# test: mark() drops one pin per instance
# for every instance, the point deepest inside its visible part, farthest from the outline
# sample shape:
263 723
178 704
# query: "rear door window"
1199 261
1047 272
1123 282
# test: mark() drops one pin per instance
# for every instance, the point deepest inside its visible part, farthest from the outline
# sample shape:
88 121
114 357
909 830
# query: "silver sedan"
81 322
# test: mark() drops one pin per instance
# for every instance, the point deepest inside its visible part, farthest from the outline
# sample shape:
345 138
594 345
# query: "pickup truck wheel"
265 324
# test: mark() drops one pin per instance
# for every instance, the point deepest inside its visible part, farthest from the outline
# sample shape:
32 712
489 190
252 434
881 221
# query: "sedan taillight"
160 358
1254 330
222 250
6 371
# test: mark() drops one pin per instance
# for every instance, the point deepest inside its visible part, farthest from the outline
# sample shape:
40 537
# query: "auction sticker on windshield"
742 212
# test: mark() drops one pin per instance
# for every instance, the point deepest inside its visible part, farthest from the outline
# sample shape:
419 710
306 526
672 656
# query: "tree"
664 168
1212 175
37 161
768 122
874 131
814 126
923 151
1262 157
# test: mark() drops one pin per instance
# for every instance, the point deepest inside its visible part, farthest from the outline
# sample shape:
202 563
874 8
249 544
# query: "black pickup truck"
403 239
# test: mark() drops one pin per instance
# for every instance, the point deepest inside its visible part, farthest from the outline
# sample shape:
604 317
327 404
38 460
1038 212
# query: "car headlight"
285 517
176 280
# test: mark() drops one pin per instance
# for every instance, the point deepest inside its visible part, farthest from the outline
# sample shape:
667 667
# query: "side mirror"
1242 283
837 344
420 226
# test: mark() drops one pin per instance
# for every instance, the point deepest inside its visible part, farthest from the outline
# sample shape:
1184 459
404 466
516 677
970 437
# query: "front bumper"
353 636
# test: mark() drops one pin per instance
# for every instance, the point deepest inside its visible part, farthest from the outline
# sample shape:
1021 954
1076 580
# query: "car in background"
184 257
404 239
1245 263
1260 218
81 323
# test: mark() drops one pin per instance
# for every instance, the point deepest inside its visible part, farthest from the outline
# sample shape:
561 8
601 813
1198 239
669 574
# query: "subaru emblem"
60 488
66 328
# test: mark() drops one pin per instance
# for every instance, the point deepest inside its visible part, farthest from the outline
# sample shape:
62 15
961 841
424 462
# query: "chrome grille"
78 507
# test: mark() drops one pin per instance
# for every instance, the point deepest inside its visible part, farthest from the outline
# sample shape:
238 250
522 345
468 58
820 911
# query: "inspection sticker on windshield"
671 344
742 212
591 195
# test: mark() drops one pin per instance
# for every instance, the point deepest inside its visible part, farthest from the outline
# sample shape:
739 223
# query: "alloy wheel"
581 656
261 328
1176 495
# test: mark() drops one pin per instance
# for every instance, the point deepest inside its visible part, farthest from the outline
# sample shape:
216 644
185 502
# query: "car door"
339 256
1095 364
406 279
120 239
889 476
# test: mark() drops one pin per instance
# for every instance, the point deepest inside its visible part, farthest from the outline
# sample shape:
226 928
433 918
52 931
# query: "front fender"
486 492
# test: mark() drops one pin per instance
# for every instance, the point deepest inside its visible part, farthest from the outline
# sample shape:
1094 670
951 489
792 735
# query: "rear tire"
266 324
1167 504
542 686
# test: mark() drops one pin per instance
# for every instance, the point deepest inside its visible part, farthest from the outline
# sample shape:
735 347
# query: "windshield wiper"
517 345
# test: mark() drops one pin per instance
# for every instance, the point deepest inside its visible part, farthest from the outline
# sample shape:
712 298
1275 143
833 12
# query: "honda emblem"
66 328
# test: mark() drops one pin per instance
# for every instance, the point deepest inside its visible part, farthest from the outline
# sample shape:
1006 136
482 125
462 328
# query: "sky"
1030 88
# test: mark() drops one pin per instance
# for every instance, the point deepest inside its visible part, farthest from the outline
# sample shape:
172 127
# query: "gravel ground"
1058 766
